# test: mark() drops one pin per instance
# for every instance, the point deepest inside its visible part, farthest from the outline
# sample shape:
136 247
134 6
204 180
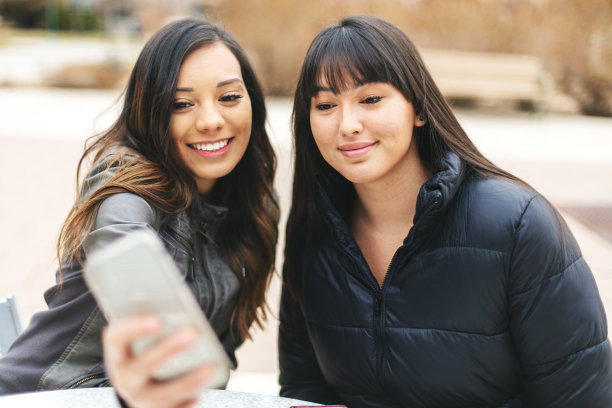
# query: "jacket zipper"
206 273
378 315
379 333
380 320
84 380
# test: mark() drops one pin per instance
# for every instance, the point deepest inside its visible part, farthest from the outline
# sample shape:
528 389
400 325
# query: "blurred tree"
573 38
23 13
57 14
575 41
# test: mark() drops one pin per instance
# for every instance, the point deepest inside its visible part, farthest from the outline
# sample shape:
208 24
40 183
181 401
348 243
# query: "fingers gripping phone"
136 275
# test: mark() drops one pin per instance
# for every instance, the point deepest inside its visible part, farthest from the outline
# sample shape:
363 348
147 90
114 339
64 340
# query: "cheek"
244 119
322 131
398 131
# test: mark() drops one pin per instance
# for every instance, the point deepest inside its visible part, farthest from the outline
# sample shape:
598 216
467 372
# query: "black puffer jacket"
487 304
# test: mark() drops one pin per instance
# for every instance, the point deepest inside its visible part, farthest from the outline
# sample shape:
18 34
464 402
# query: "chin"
357 178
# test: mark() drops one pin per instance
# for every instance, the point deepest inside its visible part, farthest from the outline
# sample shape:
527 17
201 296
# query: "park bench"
10 323
489 78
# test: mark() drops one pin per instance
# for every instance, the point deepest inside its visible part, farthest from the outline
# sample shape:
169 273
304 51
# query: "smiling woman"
190 159
365 132
211 121
417 273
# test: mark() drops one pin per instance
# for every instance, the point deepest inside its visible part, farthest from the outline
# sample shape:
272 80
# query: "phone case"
136 275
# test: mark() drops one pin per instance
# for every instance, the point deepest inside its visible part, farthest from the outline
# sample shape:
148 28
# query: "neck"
205 186
390 204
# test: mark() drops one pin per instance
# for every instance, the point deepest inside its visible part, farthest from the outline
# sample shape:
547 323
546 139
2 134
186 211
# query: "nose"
351 122
209 119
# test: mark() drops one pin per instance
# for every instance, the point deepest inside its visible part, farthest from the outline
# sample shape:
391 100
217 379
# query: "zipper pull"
243 271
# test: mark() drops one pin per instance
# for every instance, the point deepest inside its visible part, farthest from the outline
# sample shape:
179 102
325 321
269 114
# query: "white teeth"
211 147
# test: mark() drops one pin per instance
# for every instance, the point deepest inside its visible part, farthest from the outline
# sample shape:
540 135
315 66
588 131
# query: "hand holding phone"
135 275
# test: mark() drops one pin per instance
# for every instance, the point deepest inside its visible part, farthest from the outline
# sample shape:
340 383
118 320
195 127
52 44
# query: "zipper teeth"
208 276
378 292
83 380
378 324
381 332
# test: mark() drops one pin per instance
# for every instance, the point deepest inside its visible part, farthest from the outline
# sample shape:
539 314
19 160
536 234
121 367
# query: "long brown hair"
362 49
155 172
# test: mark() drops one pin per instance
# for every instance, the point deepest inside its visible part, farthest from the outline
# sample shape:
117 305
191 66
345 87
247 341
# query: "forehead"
210 60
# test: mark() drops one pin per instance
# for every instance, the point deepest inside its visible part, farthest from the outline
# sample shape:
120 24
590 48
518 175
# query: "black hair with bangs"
354 53
362 49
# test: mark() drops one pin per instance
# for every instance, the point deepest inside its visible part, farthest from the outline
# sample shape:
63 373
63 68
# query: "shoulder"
118 215
524 210
120 207
538 237
107 165
126 207
504 216
487 210
123 206
499 212
496 196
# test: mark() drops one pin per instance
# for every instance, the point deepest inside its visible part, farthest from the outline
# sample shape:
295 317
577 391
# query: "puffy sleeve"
557 319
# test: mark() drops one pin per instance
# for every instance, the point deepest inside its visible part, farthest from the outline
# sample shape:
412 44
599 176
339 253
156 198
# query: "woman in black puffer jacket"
417 273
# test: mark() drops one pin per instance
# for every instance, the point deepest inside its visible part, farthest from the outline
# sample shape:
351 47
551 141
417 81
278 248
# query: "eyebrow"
229 81
219 85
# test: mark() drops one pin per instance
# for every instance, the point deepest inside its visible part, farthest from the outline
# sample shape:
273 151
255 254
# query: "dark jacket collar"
208 215
438 192
434 198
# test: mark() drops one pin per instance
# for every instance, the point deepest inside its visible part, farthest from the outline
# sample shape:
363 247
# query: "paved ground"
567 158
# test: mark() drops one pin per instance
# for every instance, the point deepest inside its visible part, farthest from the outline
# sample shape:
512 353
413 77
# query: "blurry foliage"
78 20
31 14
23 14
572 38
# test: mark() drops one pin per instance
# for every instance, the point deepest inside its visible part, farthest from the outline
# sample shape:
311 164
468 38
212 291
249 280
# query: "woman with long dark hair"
189 158
417 273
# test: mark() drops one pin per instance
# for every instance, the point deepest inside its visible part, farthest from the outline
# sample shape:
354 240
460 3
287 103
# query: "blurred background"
530 80
570 41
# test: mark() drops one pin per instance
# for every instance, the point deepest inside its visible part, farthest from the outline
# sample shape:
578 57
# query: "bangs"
343 60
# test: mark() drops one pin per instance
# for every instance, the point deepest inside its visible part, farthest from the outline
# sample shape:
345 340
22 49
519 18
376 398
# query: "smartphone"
136 275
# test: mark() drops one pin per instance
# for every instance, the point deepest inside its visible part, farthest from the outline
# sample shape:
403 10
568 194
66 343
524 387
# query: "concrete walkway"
567 158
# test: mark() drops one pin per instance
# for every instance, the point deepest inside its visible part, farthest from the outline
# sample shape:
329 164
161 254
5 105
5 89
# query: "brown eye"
324 106
371 99
180 105
230 98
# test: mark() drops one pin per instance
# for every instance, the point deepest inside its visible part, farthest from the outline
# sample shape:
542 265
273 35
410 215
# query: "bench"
10 323
489 78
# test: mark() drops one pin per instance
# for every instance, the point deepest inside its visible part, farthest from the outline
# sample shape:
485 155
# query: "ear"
419 120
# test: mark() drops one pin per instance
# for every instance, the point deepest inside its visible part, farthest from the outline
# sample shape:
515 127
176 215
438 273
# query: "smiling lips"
356 149
214 149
